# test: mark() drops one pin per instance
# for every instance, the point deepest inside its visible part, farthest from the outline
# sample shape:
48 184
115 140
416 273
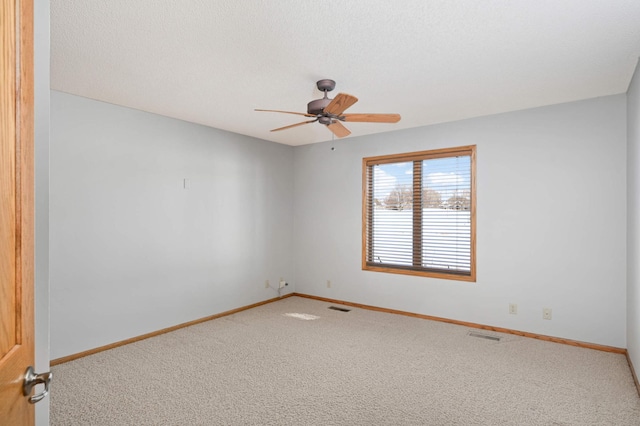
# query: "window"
419 213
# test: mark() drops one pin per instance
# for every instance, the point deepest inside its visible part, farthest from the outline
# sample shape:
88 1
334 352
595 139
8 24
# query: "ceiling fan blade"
338 129
340 103
372 118
294 125
286 112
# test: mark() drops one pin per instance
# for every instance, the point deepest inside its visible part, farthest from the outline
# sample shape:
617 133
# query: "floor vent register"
484 336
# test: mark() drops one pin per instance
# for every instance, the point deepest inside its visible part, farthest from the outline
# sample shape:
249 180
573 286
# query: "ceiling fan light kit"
330 111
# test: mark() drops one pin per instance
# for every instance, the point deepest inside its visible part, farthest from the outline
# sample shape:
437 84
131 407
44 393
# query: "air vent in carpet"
336 308
483 336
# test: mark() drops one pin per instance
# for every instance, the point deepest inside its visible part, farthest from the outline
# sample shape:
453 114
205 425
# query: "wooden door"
16 209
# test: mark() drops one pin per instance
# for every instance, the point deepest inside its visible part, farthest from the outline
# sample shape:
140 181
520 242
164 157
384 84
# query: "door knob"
31 379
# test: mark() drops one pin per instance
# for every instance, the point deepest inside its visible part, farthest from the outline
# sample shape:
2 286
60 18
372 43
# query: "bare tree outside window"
400 198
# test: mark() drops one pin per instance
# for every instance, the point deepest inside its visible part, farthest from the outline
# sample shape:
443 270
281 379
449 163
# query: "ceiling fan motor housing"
317 107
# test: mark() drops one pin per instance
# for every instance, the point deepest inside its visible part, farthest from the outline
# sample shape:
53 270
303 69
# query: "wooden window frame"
368 205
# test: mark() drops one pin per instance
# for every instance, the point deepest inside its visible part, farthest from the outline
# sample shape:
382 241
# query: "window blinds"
419 212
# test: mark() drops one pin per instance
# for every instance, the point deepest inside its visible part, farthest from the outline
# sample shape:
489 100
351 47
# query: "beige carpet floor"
264 367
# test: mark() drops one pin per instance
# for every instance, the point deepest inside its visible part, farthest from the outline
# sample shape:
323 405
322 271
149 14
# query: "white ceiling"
213 61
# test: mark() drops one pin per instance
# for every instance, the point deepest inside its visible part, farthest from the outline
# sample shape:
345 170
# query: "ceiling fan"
330 111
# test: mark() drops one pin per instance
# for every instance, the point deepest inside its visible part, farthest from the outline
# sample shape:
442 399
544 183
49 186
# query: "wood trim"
633 372
416 273
474 196
416 215
9 184
472 325
419 155
585 345
366 213
25 176
72 357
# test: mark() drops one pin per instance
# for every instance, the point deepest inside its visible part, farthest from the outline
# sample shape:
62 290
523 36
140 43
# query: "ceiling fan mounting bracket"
326 85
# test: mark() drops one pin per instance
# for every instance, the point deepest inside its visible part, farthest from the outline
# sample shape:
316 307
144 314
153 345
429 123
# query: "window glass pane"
392 227
446 213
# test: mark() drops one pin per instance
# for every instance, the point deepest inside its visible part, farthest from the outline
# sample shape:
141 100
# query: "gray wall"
633 220
132 250
41 136
551 222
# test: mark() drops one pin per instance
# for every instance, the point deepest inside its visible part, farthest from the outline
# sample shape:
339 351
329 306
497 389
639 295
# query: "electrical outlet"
266 283
546 313
282 283
328 283
513 309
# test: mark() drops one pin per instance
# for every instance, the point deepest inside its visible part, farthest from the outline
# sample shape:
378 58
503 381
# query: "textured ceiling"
213 62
